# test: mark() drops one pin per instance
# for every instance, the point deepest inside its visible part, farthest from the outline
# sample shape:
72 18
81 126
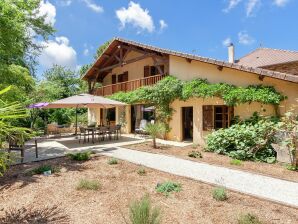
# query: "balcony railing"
128 86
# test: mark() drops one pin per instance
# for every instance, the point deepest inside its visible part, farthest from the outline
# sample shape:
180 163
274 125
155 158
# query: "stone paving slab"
273 189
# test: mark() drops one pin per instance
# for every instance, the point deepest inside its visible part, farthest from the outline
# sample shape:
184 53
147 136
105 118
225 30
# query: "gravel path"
273 189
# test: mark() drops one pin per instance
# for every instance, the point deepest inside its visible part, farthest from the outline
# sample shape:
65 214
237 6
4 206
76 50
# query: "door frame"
191 120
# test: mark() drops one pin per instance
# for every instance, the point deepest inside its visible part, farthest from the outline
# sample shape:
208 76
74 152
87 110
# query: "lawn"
95 191
277 170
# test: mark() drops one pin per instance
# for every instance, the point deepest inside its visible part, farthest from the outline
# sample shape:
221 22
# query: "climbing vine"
170 88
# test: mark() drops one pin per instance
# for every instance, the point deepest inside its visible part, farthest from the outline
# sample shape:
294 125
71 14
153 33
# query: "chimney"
231 53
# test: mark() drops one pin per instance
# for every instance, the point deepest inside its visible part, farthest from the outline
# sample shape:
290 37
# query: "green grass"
85 184
219 194
236 162
195 154
113 161
142 212
248 219
80 156
43 168
141 171
167 187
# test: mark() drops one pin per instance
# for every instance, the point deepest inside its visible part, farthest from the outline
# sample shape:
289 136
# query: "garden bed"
120 184
277 170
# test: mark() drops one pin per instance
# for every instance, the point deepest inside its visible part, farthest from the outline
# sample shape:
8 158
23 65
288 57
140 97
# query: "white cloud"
49 11
135 15
232 4
58 52
251 6
244 38
93 6
162 24
86 52
280 3
226 42
64 2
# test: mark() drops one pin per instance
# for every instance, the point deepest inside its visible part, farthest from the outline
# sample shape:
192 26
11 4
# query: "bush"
29 214
195 154
141 171
248 219
236 162
167 187
245 141
219 194
80 156
113 161
88 185
43 168
142 212
291 167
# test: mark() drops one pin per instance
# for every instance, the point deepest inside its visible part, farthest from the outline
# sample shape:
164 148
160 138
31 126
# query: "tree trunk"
154 142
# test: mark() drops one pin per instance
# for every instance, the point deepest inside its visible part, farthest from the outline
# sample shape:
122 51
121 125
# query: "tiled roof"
262 57
250 69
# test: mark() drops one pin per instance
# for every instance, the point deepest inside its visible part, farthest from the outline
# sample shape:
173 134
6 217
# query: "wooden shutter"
208 118
153 70
114 79
146 71
125 77
231 115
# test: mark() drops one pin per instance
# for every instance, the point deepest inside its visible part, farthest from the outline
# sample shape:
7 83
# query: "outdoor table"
92 130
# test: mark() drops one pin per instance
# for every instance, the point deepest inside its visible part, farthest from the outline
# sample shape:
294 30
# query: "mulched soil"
120 185
277 170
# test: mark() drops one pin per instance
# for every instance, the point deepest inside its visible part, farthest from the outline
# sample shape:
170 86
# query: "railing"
128 86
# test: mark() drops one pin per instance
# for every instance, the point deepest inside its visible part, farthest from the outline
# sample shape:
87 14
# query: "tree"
101 49
155 130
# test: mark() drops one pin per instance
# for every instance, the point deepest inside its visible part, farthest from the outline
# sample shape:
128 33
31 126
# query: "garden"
86 188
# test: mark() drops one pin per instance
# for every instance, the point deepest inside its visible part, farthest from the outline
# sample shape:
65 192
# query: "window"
123 77
217 116
152 70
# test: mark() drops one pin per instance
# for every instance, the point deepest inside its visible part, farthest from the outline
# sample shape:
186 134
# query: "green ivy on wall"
170 88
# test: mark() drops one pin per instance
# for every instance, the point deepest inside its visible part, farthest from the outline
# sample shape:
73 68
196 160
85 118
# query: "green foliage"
170 88
236 162
113 161
43 168
291 167
248 219
4 162
85 184
167 187
195 154
219 194
142 212
245 141
141 171
155 130
195 146
80 156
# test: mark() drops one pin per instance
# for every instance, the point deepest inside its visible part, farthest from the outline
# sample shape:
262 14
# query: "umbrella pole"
76 132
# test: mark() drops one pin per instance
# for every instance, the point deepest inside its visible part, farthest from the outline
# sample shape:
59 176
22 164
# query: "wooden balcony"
128 86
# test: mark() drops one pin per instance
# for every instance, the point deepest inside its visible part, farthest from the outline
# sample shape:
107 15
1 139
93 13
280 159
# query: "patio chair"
83 133
141 130
118 129
102 131
15 145
113 131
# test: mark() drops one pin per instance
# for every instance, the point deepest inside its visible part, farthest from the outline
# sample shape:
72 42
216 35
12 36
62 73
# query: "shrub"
80 156
113 161
248 219
85 184
29 214
236 162
142 212
219 194
194 146
167 187
291 167
43 168
195 154
155 130
245 141
141 171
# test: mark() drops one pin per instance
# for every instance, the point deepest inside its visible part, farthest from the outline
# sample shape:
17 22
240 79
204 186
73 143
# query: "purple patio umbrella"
38 105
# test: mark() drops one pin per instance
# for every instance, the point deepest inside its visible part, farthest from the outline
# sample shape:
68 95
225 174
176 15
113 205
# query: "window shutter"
125 77
208 118
153 70
231 115
146 71
114 79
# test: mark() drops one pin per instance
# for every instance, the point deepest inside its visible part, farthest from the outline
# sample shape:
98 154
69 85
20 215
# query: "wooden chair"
15 145
83 133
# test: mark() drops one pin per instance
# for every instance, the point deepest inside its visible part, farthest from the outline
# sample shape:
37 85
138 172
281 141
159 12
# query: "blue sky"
194 26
